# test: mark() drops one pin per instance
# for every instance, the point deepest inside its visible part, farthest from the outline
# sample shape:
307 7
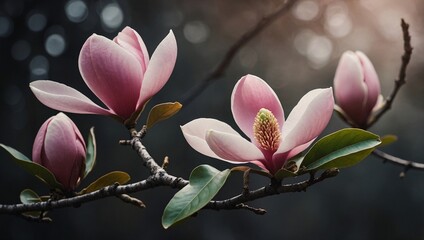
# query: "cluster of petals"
60 147
119 72
259 114
357 88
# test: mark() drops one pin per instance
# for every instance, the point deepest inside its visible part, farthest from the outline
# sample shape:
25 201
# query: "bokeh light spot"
337 20
319 51
55 44
306 10
37 22
196 32
112 16
6 26
39 66
76 11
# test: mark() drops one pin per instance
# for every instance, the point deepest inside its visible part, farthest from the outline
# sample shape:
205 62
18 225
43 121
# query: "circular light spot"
76 11
196 32
306 10
112 16
55 44
337 20
39 66
20 50
6 26
37 22
302 39
319 51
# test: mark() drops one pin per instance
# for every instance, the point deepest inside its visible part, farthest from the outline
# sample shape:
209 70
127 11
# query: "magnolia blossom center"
266 130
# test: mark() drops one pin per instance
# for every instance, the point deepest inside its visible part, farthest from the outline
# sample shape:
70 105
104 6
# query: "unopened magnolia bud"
60 148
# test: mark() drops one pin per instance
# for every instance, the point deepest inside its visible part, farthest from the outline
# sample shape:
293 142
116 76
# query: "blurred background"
297 53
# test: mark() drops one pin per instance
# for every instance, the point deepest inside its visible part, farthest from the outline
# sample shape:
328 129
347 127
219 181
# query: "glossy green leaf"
387 140
33 168
107 180
205 182
28 196
340 149
161 112
90 159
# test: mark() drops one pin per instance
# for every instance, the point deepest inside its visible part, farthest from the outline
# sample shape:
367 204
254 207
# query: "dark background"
297 53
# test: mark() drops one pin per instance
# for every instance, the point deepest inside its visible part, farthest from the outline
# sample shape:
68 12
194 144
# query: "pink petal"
232 147
60 149
64 98
281 158
195 134
307 119
371 80
349 87
130 40
250 94
159 69
112 73
39 142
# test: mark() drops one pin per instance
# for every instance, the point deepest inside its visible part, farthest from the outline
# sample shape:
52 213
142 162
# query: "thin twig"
134 201
398 161
401 80
232 51
259 211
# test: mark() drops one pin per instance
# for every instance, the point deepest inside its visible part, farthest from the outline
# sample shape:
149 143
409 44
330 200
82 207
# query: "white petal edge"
160 68
195 134
307 119
233 148
64 98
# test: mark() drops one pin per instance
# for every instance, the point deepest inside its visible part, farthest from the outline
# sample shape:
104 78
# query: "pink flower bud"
60 148
356 87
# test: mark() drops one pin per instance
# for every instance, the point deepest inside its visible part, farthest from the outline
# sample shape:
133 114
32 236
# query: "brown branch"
401 80
270 190
159 177
399 161
232 51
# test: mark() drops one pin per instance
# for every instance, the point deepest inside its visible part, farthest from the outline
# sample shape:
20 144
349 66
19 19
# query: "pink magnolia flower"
60 148
357 88
259 114
118 72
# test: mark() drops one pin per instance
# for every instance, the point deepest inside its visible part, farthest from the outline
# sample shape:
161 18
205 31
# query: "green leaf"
28 196
205 182
90 159
107 180
387 139
340 149
161 112
33 168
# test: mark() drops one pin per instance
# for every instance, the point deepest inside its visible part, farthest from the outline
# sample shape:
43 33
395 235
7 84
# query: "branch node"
131 200
259 211
165 162
124 142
